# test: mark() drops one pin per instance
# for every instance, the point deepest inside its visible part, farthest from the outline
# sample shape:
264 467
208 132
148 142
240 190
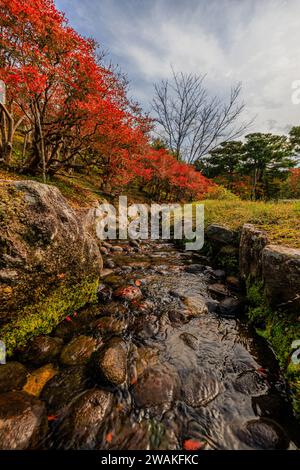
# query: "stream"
165 360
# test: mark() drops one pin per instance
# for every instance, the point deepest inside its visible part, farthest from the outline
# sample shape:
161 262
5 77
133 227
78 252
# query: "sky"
256 42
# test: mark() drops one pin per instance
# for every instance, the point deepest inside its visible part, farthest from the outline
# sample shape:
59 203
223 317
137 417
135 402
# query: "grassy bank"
281 220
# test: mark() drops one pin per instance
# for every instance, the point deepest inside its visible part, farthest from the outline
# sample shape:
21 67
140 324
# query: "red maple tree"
72 111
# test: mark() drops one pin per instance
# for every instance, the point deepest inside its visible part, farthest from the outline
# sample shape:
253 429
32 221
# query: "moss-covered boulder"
49 261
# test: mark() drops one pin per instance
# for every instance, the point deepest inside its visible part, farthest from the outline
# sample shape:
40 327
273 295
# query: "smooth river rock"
156 389
63 387
263 434
110 362
23 421
12 376
78 351
79 428
42 350
50 249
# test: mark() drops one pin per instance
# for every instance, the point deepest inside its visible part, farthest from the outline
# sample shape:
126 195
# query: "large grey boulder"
252 243
221 235
281 274
49 262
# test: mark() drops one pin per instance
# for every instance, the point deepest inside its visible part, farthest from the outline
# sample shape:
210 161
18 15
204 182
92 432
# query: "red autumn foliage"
74 112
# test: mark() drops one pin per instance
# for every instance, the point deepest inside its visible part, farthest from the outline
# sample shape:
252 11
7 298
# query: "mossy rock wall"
49 262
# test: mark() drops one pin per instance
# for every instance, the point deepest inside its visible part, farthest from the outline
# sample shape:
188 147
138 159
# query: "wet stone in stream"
128 293
200 390
156 389
63 387
78 351
110 363
12 376
263 434
252 383
23 421
37 380
190 340
42 350
109 326
80 426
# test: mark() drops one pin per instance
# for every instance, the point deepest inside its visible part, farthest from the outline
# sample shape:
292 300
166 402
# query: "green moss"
42 317
255 295
280 329
258 309
228 262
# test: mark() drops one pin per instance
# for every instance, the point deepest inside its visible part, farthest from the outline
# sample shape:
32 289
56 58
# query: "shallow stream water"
196 375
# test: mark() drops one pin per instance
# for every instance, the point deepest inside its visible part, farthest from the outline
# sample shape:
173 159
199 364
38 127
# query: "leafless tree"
190 120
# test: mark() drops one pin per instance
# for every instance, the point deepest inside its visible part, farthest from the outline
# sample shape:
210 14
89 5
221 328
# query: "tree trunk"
42 144
254 184
7 133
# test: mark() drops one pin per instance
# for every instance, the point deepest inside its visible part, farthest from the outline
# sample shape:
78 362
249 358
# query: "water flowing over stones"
78 351
42 350
79 428
164 360
110 363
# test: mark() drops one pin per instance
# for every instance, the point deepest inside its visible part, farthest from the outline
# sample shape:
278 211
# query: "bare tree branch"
191 121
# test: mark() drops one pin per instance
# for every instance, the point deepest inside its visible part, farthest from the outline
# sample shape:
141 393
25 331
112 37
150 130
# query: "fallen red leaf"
109 437
68 318
133 380
192 444
52 417
137 282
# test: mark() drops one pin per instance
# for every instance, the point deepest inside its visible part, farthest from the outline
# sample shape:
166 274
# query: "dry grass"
281 220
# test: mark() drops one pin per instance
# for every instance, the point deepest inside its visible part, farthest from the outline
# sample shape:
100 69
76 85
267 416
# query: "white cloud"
256 42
